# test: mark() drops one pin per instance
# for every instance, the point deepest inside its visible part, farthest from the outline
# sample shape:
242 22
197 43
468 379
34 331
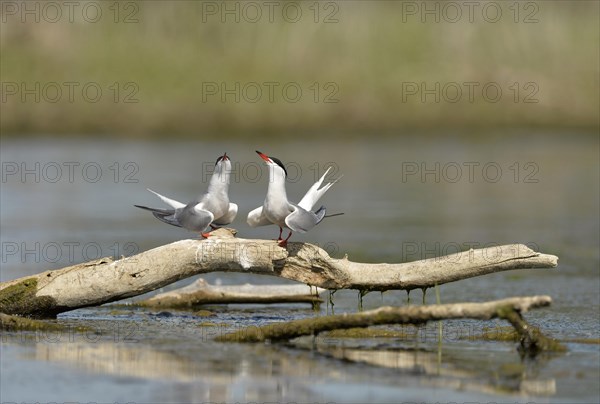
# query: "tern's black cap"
273 159
279 163
223 157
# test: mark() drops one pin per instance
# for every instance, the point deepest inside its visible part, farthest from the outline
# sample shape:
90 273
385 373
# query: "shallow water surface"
403 201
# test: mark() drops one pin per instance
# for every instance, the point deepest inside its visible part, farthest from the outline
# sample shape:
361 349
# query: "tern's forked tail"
314 193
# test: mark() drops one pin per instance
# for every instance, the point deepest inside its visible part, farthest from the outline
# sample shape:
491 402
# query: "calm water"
63 202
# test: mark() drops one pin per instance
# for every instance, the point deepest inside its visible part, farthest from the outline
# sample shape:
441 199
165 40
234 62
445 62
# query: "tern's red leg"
205 235
283 243
279 237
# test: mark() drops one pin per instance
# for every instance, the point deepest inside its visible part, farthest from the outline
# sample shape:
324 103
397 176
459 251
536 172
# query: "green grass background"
368 53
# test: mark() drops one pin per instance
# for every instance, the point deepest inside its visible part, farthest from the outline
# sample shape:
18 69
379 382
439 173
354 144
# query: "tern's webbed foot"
283 243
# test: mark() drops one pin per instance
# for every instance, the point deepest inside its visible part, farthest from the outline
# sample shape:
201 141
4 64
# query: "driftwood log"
102 281
509 309
200 292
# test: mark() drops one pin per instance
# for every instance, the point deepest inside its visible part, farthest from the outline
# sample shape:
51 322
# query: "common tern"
210 209
276 208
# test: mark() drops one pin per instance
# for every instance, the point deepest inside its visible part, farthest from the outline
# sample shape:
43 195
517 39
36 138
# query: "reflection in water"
451 375
261 371
249 377
119 359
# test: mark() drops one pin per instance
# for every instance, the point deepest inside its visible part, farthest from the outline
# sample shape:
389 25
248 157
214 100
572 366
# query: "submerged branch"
532 340
508 309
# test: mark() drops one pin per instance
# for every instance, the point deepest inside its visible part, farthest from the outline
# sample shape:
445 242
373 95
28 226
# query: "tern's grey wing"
229 216
193 218
164 215
302 220
257 218
320 214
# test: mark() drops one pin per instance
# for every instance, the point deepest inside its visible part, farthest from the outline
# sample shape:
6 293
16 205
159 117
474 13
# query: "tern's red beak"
263 156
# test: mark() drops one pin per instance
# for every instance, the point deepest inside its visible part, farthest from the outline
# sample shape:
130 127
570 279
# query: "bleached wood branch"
200 292
103 281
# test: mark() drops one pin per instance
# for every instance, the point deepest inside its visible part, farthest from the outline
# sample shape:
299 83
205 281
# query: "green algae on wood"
532 339
369 333
361 293
506 334
14 323
385 315
21 299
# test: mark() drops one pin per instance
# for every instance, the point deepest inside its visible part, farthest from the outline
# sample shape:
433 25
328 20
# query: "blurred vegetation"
370 53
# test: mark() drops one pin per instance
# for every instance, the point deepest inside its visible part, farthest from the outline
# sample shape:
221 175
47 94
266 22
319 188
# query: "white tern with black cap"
210 209
276 208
